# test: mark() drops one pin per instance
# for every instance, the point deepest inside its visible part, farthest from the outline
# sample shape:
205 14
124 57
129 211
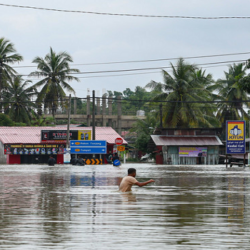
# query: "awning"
164 140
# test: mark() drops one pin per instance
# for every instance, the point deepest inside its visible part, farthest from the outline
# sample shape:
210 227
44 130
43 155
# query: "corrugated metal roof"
163 140
33 134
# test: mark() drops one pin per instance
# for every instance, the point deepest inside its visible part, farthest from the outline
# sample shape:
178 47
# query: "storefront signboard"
61 135
85 135
235 137
33 149
192 152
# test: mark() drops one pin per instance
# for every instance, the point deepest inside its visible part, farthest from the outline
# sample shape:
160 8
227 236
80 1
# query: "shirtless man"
128 181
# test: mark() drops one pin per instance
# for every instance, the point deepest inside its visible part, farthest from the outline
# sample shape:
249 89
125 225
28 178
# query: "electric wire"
129 100
149 60
124 14
144 69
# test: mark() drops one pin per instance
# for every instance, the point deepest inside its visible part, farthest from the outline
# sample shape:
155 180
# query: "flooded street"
75 207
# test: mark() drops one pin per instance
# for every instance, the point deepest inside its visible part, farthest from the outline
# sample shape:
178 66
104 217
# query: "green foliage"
232 91
143 130
56 73
8 56
39 121
20 124
17 100
5 120
132 101
184 91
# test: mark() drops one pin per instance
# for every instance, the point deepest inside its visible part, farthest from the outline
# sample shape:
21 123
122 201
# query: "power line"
124 14
143 69
150 60
130 74
142 73
146 102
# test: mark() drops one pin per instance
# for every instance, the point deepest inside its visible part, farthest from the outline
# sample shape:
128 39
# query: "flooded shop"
187 146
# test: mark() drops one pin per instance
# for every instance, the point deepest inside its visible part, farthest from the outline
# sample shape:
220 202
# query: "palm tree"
8 56
185 93
55 71
232 93
17 100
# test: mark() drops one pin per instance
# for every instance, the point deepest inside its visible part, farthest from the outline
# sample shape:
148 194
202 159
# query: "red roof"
163 140
33 134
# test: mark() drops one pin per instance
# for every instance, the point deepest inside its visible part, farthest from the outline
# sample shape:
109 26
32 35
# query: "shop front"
33 153
34 145
187 150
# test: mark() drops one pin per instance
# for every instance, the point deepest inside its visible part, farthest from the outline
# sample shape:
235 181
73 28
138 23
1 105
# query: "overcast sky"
100 38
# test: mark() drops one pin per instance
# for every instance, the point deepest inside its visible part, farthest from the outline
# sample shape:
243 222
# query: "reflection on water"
73 207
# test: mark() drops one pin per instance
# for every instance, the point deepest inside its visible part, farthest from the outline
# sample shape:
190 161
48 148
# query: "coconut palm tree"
55 72
232 93
8 56
17 99
185 93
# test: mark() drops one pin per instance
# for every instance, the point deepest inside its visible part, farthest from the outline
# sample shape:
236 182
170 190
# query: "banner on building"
235 137
33 149
192 152
85 135
61 135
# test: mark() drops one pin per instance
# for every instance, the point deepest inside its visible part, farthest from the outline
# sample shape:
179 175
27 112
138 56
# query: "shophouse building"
30 145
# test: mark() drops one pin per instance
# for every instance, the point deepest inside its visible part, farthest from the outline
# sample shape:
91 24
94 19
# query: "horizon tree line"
190 96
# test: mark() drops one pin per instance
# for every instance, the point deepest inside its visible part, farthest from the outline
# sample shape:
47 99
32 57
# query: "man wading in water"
128 181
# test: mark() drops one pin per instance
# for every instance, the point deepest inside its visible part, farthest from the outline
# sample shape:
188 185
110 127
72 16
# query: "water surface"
79 207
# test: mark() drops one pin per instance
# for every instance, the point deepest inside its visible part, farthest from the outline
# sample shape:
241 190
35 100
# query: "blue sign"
88 147
88 144
236 137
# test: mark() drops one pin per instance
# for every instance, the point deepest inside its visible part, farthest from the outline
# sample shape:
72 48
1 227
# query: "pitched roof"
163 140
33 134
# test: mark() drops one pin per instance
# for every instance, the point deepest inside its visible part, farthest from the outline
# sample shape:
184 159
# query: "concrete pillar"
110 111
75 106
104 110
88 110
98 110
119 115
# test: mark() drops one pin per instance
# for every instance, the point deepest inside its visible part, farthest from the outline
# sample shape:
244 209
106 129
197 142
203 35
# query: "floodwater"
75 207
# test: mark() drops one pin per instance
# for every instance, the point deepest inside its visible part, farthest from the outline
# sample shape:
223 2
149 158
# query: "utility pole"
93 116
69 110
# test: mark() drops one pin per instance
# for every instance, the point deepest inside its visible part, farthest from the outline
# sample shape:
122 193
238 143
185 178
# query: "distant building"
29 145
186 146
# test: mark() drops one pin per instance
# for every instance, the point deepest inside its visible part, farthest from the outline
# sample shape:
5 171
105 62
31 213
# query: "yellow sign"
93 161
120 148
235 131
84 135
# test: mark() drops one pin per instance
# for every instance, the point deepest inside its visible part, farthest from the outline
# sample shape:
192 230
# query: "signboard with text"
119 141
121 148
192 152
88 147
84 135
33 149
235 137
61 135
